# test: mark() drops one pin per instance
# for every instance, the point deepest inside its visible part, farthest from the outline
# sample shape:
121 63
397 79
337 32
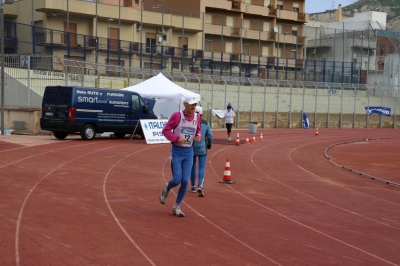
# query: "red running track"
75 202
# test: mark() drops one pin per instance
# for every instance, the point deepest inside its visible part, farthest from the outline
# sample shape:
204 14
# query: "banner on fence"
380 110
219 113
152 130
306 123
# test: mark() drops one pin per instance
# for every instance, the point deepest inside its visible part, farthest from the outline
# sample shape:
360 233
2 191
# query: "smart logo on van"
88 99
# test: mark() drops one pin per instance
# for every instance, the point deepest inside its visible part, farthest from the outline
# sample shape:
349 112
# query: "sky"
315 6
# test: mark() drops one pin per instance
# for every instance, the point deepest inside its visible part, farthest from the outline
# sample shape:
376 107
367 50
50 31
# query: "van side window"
135 102
142 103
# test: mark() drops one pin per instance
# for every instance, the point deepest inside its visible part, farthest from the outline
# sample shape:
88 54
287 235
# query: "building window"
296 7
175 65
391 50
246 24
127 3
265 51
279 5
293 54
246 49
229 21
267 2
228 47
266 26
207 45
208 19
151 42
294 31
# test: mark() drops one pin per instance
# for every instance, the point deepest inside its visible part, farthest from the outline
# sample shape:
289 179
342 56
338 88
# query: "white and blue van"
87 111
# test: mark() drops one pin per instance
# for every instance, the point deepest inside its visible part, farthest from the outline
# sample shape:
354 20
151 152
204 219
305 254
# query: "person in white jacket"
230 120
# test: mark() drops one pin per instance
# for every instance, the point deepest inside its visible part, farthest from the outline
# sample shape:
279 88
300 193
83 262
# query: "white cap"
199 109
191 100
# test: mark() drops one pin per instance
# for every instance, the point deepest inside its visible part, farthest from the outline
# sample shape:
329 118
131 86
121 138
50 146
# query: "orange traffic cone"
254 139
227 173
261 137
247 140
316 132
237 141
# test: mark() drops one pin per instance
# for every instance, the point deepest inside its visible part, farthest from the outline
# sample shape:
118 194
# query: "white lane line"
285 216
65 245
216 226
186 243
390 220
280 237
351 258
165 236
313 247
113 214
17 231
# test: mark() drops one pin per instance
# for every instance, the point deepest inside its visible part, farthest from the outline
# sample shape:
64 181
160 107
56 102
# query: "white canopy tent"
169 96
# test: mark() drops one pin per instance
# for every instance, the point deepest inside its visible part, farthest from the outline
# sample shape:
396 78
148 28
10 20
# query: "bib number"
187 139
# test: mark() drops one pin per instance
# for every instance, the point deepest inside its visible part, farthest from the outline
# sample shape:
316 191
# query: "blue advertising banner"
306 123
380 110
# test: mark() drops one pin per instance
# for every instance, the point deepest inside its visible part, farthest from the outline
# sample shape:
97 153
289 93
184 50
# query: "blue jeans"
202 161
181 164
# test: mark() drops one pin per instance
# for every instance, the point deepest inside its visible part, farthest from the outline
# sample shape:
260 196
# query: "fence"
271 102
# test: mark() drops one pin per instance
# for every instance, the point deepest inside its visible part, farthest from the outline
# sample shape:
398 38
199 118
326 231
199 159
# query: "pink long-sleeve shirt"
174 120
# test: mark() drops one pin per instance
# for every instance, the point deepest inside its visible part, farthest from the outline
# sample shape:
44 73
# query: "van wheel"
119 135
60 135
88 132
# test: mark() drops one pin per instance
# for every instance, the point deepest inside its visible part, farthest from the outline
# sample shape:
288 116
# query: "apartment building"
199 35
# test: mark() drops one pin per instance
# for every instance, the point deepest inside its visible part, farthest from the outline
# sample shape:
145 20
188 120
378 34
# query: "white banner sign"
219 113
152 129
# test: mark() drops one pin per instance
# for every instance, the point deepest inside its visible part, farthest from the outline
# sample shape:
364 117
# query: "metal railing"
253 98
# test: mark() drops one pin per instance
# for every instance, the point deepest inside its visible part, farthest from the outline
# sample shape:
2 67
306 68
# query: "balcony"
303 17
10 11
236 5
289 14
218 4
273 12
257 10
235 32
219 30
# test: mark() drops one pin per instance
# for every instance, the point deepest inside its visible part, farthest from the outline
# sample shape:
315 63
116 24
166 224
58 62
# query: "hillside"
391 7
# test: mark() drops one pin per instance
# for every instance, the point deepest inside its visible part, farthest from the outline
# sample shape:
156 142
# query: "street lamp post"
109 36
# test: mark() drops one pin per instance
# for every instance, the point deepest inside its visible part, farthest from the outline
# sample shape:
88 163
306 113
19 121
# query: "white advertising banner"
152 129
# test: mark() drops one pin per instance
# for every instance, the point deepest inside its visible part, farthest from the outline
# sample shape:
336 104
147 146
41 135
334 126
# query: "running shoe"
200 192
176 210
164 194
192 189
